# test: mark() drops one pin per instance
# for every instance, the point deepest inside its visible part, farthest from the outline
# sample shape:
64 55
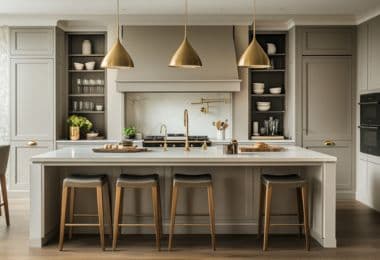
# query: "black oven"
370 123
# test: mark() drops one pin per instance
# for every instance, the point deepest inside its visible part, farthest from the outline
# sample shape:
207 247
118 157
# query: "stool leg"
172 214
211 209
299 206
5 198
99 196
71 211
156 216
116 215
268 199
63 217
261 206
109 209
159 210
305 203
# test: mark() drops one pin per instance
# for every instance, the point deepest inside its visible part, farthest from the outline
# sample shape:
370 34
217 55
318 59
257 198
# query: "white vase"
220 134
86 47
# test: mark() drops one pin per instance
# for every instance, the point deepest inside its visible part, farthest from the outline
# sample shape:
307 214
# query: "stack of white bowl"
258 88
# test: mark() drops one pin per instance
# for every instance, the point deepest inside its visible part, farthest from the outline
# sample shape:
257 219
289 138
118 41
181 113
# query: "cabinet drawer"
21 153
327 41
31 42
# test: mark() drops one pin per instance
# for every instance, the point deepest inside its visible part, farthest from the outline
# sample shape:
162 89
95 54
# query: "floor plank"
358 233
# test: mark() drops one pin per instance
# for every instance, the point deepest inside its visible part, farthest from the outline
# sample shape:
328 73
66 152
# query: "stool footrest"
286 224
81 225
136 225
192 215
195 224
85 215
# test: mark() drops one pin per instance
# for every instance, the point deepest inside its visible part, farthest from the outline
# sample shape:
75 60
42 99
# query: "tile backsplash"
147 111
4 85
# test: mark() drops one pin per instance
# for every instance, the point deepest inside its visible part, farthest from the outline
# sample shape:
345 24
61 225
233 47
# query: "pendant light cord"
186 18
118 19
254 19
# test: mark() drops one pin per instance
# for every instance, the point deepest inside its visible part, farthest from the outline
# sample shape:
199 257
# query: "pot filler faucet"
186 124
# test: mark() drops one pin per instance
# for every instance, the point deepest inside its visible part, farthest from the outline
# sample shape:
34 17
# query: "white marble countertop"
176 156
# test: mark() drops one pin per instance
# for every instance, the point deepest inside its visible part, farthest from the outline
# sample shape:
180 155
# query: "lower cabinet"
344 173
21 153
373 184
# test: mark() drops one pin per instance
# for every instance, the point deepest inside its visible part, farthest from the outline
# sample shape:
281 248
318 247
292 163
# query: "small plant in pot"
129 132
78 125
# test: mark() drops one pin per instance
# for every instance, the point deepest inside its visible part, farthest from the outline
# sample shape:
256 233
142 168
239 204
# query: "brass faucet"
165 130
186 124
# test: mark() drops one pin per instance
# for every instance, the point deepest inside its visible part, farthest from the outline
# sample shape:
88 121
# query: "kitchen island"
236 181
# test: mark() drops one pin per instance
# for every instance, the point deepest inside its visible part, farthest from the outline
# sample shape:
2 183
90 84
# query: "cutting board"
251 149
127 149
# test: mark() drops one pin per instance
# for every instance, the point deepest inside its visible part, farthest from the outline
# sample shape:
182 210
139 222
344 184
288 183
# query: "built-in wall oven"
370 123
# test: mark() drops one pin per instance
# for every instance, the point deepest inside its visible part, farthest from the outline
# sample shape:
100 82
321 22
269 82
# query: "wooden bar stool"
292 181
98 182
198 181
4 154
138 181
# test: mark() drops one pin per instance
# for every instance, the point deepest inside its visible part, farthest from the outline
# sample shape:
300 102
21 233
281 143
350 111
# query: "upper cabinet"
362 54
374 53
36 42
32 92
327 41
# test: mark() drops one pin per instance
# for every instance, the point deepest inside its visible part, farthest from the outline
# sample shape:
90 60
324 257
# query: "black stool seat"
132 179
290 179
84 181
192 179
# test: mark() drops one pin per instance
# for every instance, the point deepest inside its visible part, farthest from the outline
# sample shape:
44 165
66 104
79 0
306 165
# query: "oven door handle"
369 103
368 127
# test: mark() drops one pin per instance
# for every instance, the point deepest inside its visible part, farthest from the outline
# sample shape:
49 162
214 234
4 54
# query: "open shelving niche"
273 77
74 42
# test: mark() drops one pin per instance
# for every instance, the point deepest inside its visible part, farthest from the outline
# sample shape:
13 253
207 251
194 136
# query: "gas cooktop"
175 140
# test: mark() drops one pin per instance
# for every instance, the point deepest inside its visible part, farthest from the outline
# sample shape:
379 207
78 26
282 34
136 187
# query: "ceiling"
355 8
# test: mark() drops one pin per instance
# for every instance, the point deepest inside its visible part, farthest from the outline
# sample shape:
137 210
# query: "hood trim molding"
178 85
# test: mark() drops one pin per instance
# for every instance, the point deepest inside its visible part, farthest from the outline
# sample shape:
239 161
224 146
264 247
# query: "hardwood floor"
358 232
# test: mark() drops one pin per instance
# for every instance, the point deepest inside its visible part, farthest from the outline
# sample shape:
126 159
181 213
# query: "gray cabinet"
362 54
21 153
374 54
32 90
343 151
327 97
327 41
32 42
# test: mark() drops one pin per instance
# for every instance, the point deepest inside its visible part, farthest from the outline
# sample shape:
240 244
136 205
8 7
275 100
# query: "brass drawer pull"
329 143
32 143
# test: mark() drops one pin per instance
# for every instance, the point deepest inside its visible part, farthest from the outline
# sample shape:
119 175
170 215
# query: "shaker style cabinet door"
327 98
32 99
374 54
327 41
21 153
362 54
31 42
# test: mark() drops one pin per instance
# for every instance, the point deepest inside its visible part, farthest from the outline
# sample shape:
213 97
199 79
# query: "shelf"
269 112
86 95
277 54
268 70
90 55
85 71
86 112
268 95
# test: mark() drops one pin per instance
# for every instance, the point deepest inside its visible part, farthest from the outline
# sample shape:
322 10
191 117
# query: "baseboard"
345 195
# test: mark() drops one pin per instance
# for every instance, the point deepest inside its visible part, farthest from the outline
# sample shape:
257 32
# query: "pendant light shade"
185 56
117 57
254 56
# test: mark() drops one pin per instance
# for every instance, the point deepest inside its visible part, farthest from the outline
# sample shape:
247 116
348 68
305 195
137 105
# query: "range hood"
151 48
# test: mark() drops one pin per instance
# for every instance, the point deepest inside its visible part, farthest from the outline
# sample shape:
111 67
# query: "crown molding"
368 15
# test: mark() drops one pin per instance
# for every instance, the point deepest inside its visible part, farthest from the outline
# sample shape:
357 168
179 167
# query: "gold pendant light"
117 57
254 56
185 56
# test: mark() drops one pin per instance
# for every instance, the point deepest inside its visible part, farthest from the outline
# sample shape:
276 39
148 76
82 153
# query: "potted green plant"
78 125
129 132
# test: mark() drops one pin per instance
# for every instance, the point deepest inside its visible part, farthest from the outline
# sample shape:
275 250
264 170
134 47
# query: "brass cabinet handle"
329 143
32 143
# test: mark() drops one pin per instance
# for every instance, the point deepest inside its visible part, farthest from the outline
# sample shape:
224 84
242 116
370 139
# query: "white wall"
4 85
147 111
